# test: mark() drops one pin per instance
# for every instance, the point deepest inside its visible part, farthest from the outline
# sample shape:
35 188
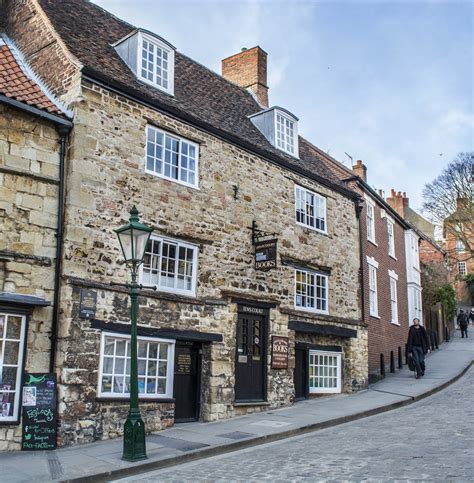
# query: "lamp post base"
134 448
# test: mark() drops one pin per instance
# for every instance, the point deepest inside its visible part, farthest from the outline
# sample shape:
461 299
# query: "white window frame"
21 350
373 289
180 141
294 123
316 275
460 246
391 237
463 271
370 227
163 46
417 304
393 299
178 244
169 368
326 390
322 199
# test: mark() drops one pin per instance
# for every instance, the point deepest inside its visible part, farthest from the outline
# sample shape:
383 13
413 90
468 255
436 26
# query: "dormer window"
280 127
285 133
150 58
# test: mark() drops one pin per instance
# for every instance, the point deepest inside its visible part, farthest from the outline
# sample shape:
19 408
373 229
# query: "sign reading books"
39 412
88 304
279 352
266 254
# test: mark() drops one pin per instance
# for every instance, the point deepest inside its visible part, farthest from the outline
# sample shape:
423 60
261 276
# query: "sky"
386 81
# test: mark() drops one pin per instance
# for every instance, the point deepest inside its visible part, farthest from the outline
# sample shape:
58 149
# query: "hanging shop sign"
279 352
39 412
266 254
88 304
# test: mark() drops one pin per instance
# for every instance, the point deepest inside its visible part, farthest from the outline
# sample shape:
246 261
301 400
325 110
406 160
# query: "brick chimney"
360 169
398 201
248 69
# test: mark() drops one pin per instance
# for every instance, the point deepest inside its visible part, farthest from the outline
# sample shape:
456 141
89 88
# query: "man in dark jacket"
463 322
418 345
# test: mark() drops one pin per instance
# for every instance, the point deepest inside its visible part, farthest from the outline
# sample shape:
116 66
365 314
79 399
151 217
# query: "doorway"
250 358
187 382
300 375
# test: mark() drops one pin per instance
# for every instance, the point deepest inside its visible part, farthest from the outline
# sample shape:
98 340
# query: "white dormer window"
280 127
150 57
156 64
285 133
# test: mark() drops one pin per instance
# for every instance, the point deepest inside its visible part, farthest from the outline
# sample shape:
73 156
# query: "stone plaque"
252 310
266 254
279 352
88 304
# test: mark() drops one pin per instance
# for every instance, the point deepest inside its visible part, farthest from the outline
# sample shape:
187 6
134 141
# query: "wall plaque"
252 310
279 352
266 254
39 412
88 304
183 364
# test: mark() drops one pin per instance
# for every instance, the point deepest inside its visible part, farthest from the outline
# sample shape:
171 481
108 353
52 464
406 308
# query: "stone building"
205 160
33 130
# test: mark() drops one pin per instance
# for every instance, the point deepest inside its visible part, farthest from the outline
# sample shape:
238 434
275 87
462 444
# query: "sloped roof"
199 94
16 83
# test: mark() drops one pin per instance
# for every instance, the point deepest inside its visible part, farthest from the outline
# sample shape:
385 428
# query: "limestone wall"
29 160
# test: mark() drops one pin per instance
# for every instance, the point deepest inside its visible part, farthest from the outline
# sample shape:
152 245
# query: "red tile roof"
15 83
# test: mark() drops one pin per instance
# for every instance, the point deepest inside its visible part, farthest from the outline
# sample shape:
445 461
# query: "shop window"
12 340
324 372
155 367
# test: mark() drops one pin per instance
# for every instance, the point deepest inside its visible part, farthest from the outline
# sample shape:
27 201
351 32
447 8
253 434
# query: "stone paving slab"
101 461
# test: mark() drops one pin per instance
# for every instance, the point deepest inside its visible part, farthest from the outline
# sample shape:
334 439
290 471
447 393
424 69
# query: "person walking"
418 345
463 323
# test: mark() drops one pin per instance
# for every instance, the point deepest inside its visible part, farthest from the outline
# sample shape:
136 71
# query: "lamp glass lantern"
133 238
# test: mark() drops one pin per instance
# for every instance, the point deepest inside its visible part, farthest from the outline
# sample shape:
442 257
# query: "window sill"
311 228
108 399
393 256
172 180
375 316
373 242
310 311
395 323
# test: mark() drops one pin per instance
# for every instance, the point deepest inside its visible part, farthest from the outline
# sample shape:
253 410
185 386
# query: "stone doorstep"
246 442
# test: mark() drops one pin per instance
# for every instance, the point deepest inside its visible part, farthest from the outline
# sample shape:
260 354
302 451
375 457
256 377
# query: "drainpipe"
63 132
358 208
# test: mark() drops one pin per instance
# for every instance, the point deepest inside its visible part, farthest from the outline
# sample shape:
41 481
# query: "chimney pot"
248 69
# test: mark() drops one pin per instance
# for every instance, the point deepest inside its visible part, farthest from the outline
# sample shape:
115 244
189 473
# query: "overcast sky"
386 81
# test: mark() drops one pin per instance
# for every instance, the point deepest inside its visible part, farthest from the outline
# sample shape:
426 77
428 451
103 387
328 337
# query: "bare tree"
448 201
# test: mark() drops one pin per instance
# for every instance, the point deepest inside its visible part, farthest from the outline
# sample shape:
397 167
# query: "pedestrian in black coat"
463 322
418 345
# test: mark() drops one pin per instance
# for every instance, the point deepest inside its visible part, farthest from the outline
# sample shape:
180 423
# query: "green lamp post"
133 238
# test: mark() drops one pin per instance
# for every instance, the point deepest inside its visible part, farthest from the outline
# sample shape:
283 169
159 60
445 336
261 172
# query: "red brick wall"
383 335
32 33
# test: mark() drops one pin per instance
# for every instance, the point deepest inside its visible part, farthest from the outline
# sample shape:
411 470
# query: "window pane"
11 353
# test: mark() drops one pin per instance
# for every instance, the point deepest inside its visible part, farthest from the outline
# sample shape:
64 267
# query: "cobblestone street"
429 440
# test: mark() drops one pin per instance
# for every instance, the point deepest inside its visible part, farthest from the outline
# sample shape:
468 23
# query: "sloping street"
429 440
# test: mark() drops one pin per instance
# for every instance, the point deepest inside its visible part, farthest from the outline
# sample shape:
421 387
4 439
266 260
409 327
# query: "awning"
9 298
321 329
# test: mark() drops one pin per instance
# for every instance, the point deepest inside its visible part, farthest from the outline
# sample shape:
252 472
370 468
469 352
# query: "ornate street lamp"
133 238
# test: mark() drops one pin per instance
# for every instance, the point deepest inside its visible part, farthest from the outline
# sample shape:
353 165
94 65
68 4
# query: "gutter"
358 208
63 132
59 120
99 79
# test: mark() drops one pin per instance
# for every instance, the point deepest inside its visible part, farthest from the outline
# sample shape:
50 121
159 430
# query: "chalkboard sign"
39 412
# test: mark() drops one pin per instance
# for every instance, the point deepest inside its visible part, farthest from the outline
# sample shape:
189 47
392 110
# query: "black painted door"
300 376
186 390
250 358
